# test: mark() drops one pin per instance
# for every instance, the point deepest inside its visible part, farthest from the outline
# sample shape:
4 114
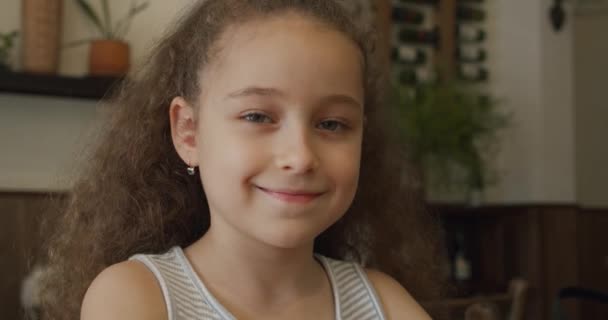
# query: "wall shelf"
53 85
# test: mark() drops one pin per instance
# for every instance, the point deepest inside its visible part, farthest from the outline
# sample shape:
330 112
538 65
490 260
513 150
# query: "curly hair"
134 195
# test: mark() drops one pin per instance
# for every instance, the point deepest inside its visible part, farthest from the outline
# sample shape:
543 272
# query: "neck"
235 266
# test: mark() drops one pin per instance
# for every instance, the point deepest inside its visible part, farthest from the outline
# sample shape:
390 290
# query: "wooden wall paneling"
20 241
593 257
524 257
560 254
507 243
491 266
550 246
511 247
10 267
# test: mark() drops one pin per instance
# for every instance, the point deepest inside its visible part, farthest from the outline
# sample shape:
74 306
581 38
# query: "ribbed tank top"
187 298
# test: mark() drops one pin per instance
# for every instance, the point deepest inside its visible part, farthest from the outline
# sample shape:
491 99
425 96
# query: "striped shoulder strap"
183 298
355 297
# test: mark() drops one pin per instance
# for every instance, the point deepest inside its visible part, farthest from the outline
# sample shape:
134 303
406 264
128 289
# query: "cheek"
344 168
227 156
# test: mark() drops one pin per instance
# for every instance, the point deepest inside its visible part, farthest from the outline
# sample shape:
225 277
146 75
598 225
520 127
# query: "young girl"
245 173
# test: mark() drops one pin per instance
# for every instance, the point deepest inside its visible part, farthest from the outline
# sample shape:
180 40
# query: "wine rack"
436 40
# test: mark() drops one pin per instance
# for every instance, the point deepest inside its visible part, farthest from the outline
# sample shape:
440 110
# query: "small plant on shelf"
7 41
109 55
448 128
104 25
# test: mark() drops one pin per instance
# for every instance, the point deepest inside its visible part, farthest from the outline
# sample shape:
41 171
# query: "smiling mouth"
290 196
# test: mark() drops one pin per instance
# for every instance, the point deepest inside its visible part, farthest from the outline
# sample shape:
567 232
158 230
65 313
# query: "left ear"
183 130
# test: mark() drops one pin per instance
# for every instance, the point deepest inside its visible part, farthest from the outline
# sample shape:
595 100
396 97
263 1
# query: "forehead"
292 52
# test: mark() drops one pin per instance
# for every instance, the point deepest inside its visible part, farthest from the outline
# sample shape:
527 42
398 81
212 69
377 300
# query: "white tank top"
187 298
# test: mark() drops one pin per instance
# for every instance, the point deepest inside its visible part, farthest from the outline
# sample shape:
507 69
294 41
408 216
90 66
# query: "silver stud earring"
190 171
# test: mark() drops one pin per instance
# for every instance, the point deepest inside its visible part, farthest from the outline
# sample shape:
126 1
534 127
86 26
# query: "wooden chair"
504 306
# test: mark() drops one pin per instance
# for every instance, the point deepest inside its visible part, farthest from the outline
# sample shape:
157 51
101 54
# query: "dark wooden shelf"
59 86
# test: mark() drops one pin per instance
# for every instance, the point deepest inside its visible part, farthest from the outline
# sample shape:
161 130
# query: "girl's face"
279 132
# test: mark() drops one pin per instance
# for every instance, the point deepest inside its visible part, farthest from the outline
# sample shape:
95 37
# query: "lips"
291 196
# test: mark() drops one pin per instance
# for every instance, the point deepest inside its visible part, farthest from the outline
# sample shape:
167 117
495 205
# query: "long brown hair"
134 196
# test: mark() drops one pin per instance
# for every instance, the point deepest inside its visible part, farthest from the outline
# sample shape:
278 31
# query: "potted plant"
448 129
7 40
110 54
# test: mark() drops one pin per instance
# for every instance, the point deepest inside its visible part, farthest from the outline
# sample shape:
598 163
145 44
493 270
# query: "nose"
296 151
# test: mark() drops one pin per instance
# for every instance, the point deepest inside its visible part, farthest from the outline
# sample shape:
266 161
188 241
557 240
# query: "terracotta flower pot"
109 58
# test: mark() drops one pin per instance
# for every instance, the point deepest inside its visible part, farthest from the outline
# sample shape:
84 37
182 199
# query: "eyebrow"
255 91
270 92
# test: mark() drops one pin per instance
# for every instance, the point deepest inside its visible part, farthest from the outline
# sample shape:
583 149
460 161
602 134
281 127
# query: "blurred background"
502 103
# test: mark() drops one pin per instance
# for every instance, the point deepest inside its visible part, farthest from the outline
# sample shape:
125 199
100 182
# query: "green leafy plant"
7 41
448 128
103 22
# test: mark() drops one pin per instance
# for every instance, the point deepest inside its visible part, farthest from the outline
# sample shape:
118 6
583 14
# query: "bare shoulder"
396 301
126 290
